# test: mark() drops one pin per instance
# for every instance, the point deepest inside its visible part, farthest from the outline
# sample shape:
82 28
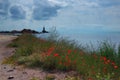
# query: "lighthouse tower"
44 31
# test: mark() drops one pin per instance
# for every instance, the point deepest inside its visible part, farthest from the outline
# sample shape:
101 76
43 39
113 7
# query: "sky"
65 15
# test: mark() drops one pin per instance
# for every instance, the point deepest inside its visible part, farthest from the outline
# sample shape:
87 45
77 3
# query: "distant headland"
25 31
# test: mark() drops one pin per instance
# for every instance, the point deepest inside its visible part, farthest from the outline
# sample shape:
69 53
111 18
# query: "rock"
10 70
14 68
24 72
4 67
10 77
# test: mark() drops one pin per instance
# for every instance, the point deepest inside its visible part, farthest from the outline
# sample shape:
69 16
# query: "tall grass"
56 53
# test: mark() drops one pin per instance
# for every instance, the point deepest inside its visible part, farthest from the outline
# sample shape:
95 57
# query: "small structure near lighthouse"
44 31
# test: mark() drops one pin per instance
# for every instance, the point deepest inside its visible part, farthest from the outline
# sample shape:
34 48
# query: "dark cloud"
17 12
43 10
4 5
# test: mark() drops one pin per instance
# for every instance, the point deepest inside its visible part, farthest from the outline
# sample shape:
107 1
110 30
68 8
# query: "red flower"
108 61
69 51
67 57
69 61
115 67
50 50
56 55
105 62
104 58
90 79
113 63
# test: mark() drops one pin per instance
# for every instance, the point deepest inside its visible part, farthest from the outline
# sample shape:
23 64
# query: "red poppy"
108 61
90 79
50 50
105 62
69 61
115 67
113 63
69 51
67 57
104 58
56 55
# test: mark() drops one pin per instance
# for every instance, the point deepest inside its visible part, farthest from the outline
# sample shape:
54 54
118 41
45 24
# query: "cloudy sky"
80 15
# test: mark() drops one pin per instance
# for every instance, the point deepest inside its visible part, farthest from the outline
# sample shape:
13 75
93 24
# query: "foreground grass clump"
65 55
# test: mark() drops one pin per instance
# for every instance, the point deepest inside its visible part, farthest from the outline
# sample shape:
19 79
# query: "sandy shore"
4 41
8 72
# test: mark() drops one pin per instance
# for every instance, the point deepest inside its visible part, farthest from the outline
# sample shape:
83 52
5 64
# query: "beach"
4 41
10 72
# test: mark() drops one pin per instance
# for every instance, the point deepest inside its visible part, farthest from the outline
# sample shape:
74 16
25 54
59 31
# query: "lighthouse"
44 31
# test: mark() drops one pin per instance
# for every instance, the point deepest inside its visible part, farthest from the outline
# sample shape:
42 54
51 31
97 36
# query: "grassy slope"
65 55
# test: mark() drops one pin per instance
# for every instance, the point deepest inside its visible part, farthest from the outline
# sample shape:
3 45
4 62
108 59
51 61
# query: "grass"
65 55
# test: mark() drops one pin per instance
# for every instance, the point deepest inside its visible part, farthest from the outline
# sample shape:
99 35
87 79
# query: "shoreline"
10 72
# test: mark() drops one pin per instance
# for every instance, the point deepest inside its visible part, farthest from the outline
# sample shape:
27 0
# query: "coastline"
10 72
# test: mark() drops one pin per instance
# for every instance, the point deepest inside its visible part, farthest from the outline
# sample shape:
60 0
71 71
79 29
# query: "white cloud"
56 2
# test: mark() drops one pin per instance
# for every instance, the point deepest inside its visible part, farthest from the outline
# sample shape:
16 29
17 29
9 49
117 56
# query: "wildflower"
56 55
69 51
113 63
67 57
115 67
90 79
105 62
50 50
69 61
104 58
108 61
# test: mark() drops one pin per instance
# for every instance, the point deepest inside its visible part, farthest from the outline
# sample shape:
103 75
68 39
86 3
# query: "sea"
93 39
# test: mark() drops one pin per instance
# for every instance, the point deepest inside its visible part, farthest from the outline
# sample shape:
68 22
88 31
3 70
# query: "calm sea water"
90 38
94 38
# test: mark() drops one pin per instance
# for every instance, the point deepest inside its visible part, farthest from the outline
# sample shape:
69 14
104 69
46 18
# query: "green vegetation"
65 55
